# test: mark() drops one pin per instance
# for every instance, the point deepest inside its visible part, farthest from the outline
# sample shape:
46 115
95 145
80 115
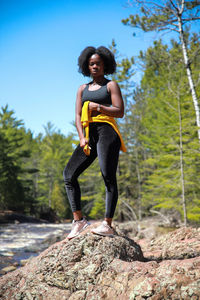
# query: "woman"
97 103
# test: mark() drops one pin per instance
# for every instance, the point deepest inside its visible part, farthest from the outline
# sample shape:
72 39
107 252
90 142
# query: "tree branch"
182 7
167 221
191 19
176 8
130 208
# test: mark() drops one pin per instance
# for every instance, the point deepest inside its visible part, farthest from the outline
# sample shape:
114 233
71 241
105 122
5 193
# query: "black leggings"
105 143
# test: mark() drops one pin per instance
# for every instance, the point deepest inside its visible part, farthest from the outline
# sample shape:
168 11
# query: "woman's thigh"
78 163
108 147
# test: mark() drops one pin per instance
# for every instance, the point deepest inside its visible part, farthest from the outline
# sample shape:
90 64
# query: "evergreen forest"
160 172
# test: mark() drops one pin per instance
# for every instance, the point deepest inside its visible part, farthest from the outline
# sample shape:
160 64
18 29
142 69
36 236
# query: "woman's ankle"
77 215
109 221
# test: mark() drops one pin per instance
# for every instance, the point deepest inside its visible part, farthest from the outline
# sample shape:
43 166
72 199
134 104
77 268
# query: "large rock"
92 267
179 244
68 267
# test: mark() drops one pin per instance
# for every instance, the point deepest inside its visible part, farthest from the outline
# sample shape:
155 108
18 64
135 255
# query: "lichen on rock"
92 267
82 259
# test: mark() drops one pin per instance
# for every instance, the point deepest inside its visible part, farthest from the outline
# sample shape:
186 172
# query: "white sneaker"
104 229
77 227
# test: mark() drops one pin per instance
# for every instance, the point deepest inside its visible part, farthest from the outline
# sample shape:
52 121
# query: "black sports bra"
101 96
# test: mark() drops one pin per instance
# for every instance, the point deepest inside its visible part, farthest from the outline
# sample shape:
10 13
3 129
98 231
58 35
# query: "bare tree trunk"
181 164
139 187
188 69
50 191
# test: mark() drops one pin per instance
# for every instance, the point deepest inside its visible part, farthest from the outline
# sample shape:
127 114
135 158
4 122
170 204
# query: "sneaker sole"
102 234
86 225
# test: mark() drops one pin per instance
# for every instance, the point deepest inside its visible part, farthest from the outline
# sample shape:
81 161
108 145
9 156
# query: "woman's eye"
98 64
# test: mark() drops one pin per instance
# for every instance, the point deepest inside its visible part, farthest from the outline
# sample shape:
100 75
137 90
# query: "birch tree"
170 15
168 132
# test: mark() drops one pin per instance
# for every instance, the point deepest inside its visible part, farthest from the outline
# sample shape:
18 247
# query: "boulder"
179 244
92 267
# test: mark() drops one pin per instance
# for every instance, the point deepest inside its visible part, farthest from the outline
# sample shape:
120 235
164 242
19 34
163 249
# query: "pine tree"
54 152
171 15
13 152
126 166
171 150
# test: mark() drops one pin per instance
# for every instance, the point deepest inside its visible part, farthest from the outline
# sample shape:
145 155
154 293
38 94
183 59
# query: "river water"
21 241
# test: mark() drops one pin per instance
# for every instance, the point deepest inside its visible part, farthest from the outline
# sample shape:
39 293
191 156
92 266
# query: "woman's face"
96 65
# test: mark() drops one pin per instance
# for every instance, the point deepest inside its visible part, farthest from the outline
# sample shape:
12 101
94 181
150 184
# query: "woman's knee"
110 180
67 175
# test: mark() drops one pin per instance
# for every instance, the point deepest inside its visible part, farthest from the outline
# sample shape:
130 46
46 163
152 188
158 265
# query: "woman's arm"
117 108
79 127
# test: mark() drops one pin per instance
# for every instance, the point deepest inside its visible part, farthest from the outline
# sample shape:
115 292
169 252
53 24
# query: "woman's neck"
98 80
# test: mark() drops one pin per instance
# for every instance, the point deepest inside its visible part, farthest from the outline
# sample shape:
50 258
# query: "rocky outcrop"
180 244
93 268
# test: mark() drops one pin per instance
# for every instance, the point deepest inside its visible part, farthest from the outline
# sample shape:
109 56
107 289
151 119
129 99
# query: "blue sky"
40 41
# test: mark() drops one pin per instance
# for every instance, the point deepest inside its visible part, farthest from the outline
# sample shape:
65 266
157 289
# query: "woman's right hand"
83 142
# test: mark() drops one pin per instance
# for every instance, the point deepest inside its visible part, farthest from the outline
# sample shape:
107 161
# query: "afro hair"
106 55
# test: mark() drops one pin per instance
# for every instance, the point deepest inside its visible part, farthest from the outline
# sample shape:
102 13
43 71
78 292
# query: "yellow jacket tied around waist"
86 119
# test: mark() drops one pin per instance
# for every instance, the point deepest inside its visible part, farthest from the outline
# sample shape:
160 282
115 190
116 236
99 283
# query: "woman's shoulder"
82 87
112 85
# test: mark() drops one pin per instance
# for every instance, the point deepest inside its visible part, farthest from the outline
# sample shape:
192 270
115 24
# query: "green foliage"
31 168
12 153
163 15
168 142
163 88
54 152
98 208
161 168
